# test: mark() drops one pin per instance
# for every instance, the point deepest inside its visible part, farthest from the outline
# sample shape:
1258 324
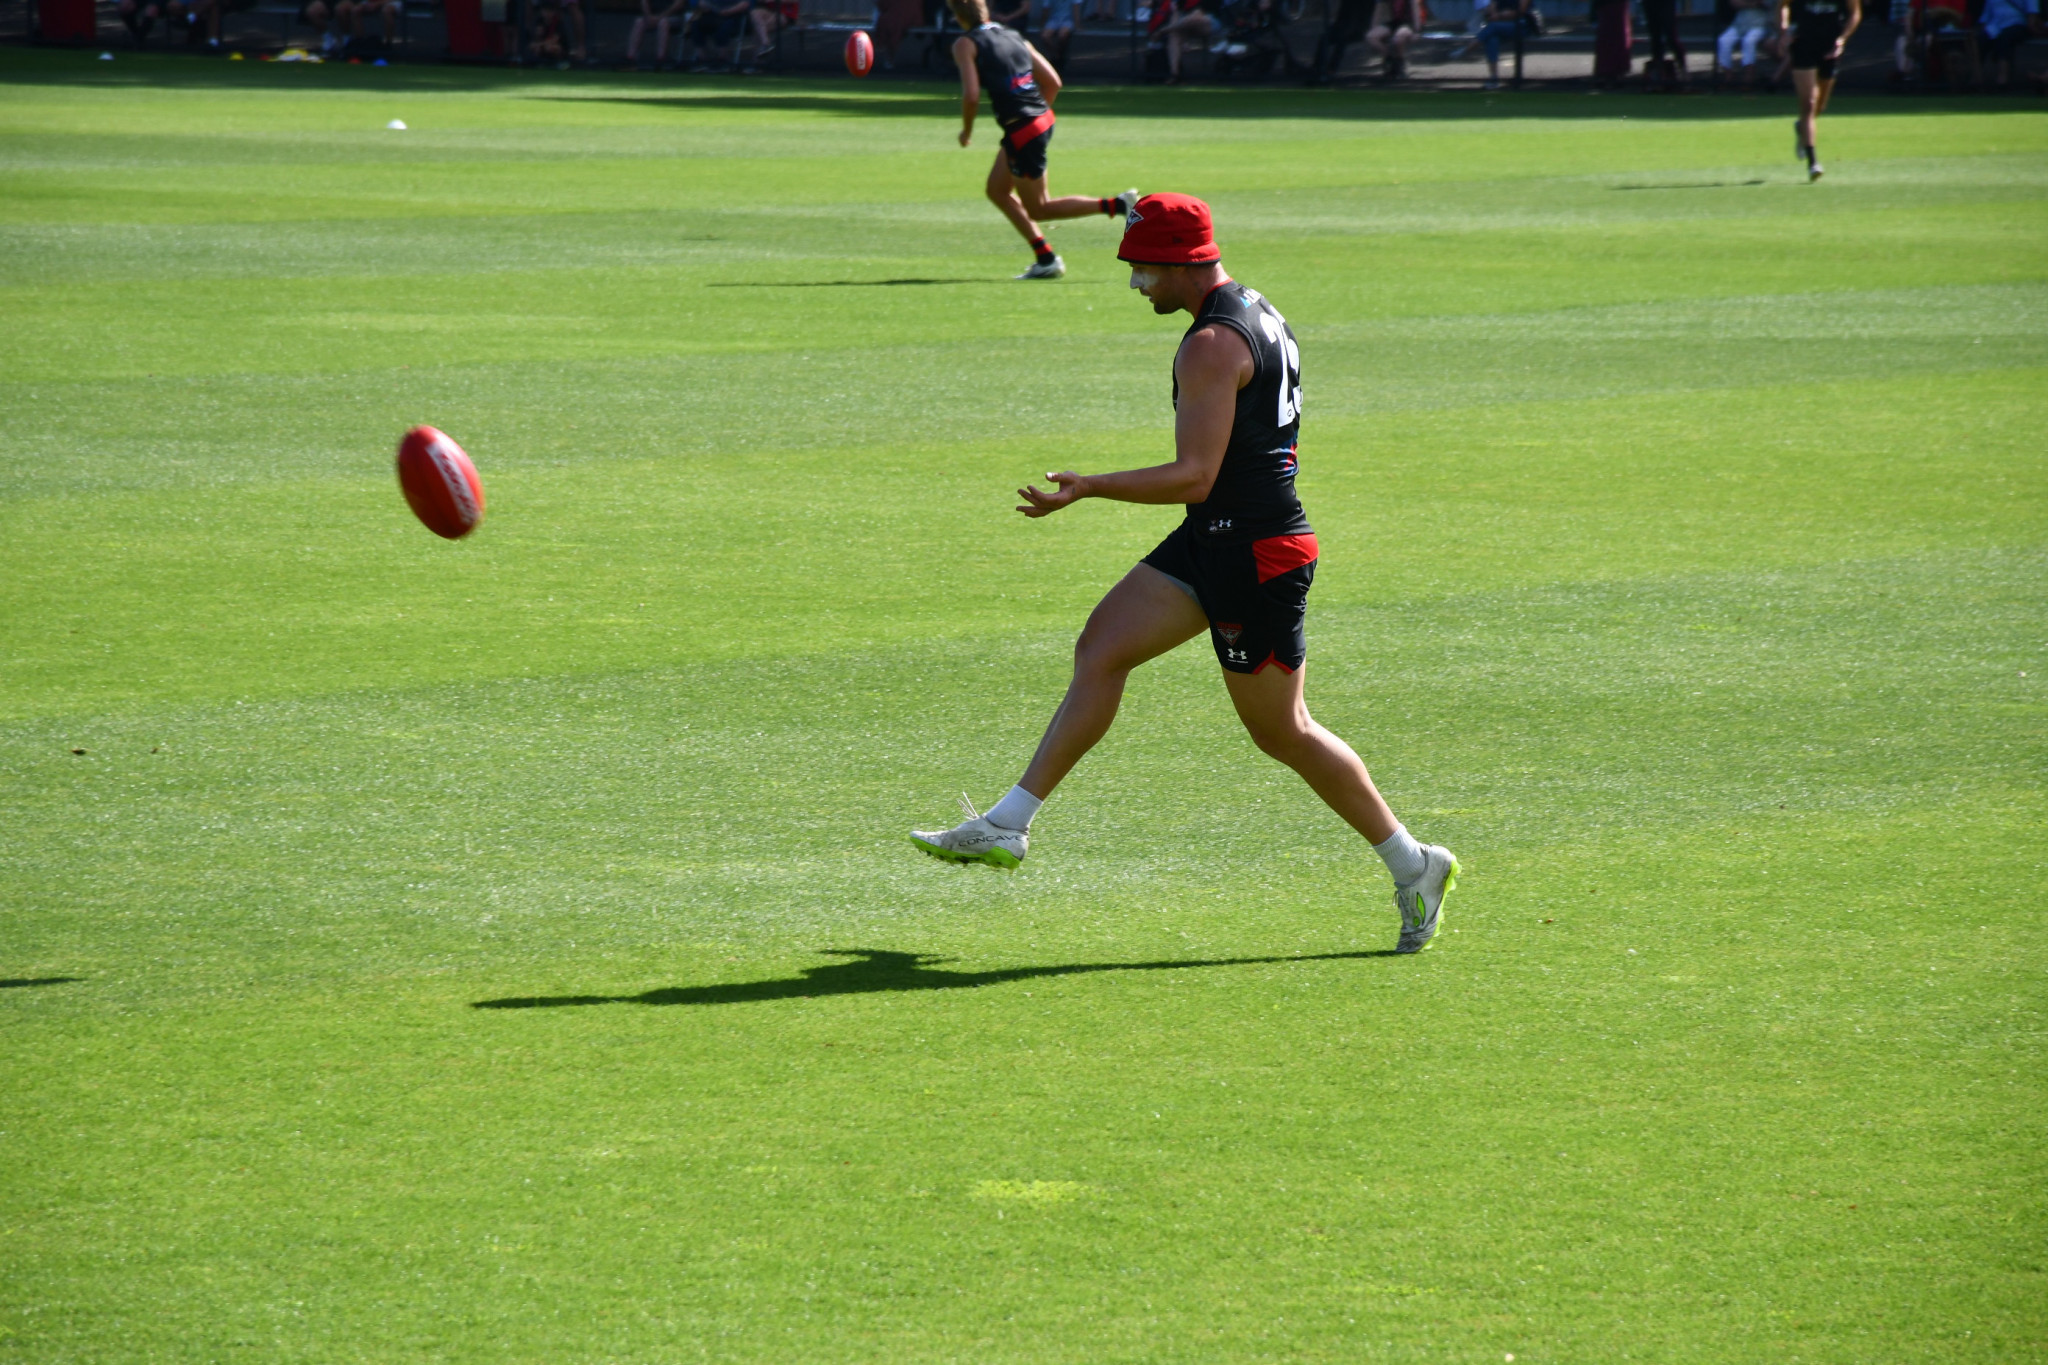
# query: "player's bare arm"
1049 82
970 87
1213 364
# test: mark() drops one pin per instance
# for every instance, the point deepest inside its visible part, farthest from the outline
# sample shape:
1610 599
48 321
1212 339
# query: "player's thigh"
1805 84
1142 617
1000 181
1269 703
1032 192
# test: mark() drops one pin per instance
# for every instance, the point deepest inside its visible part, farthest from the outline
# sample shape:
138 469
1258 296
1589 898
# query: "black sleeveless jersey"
1819 14
1253 496
1004 64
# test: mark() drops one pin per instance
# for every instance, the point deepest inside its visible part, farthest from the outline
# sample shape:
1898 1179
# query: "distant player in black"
1021 87
1237 568
1818 31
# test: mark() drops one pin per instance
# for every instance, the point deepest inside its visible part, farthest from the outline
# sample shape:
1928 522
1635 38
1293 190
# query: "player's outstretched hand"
1066 488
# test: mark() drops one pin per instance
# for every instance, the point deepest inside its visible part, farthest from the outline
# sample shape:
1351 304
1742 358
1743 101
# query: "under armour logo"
1238 656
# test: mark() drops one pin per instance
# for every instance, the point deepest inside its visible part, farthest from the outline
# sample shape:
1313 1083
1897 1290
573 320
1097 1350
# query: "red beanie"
1169 229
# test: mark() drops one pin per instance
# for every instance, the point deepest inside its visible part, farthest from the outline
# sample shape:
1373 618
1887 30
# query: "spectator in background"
1056 34
1902 41
1346 26
1177 23
1613 41
894 20
1014 16
140 16
765 19
572 10
200 20
1504 19
319 16
1393 27
657 22
353 12
1750 26
2007 24
546 44
713 27
1661 18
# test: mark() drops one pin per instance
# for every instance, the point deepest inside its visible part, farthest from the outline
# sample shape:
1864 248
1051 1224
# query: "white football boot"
1127 201
1421 902
974 840
1051 270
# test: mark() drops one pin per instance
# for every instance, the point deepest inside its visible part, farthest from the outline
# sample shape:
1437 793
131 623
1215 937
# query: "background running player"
1238 566
1021 87
1818 33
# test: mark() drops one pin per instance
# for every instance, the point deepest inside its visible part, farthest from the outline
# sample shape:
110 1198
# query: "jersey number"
1275 328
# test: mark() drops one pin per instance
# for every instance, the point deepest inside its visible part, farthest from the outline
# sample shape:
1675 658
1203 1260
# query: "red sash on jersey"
1024 132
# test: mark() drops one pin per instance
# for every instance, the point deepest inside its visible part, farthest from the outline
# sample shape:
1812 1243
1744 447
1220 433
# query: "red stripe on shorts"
1023 133
1275 555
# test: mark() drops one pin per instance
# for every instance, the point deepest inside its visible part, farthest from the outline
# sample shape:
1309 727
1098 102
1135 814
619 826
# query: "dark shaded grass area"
880 969
810 95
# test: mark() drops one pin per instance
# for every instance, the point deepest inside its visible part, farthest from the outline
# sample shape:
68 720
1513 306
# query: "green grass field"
1684 548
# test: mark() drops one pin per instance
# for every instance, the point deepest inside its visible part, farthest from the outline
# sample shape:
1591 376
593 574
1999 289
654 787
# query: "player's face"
1149 281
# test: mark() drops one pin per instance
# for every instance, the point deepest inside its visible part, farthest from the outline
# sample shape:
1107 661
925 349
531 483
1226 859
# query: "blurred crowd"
1946 44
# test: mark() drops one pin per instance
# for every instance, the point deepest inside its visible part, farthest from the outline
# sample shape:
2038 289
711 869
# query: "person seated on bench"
655 21
1750 27
2007 24
547 44
353 12
1346 26
199 18
893 21
765 19
714 26
1056 34
140 17
1393 27
1184 22
1504 19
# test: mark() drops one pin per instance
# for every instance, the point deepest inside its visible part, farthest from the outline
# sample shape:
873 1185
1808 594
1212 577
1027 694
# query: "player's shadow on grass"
1695 185
10 983
834 284
873 969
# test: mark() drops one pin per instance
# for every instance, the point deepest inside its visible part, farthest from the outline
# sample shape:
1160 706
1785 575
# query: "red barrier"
65 21
470 34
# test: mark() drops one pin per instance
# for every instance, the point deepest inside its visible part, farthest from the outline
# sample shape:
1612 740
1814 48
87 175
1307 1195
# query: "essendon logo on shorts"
1229 631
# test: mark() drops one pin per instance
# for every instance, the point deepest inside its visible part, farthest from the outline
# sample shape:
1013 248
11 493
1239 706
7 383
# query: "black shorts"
2004 45
1028 161
1813 46
1254 592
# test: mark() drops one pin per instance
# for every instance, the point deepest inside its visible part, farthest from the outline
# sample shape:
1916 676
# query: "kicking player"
1818 33
1238 566
1021 87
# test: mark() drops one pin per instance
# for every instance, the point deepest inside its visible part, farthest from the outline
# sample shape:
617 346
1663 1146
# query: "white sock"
1404 857
1014 811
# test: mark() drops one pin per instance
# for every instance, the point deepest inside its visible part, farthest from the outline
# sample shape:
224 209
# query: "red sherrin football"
440 483
860 53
